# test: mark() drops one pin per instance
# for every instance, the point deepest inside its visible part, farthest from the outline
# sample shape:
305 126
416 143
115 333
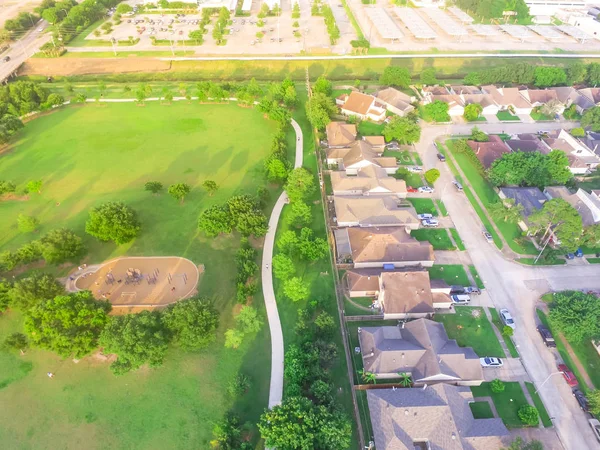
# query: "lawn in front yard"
472 331
538 116
366 128
539 404
403 157
459 243
500 326
442 207
423 205
450 273
506 115
438 237
412 179
507 403
481 410
478 280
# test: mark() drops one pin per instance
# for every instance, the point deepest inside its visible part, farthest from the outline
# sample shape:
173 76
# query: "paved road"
276 388
389 56
24 48
517 287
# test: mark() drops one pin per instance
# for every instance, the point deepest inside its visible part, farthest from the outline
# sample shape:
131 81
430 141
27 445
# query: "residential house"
358 155
464 90
363 106
592 141
592 94
488 105
436 417
371 180
455 102
530 198
384 211
400 294
422 349
509 99
527 143
586 204
488 152
340 134
569 96
539 97
396 101
582 160
377 143
387 247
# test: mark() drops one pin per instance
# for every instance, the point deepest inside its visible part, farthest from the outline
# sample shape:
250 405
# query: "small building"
586 204
359 155
340 134
539 97
383 211
370 181
509 99
489 107
582 160
530 198
488 152
387 247
363 106
422 349
527 143
396 101
569 96
592 94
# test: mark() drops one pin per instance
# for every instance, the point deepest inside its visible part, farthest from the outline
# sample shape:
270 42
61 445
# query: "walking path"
276 388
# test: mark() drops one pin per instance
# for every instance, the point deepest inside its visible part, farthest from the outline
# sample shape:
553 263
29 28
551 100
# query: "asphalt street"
517 287
23 48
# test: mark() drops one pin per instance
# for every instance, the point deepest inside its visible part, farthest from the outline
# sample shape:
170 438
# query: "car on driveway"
430 223
425 216
473 290
490 361
570 256
579 253
546 336
507 318
460 299
581 400
488 237
595 424
415 169
411 189
568 375
426 190
441 157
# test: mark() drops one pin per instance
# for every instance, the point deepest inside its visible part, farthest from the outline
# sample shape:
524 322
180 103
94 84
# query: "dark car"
570 256
6 59
579 253
582 400
546 336
441 157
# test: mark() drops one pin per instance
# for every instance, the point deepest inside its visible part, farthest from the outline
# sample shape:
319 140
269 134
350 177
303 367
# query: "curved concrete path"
276 388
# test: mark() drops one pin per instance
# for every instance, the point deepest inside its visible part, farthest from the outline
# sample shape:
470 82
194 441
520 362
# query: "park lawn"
442 207
470 331
539 404
486 193
500 326
423 206
450 273
506 115
507 402
85 158
366 128
478 280
459 243
481 410
438 237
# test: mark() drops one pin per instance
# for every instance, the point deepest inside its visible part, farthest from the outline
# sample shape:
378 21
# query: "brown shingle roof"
395 98
389 244
340 134
507 96
373 211
488 152
358 102
406 293
368 179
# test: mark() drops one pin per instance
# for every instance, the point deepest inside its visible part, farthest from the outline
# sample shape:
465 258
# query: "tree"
427 77
594 401
436 111
577 132
34 186
576 73
551 107
61 245
591 235
228 435
300 184
192 323
283 267
233 338
479 136
529 415
591 118
395 76
7 187
562 218
124 8
295 289
507 331
549 76
432 175
323 85
67 324
247 320
216 220
300 214
136 339
506 211
5 288
299 424
210 186
530 169
16 341
576 314
557 165
27 224
153 186
113 221
325 324
319 110
288 242
593 74
472 111
28 292
276 170
472 79
497 386
179 190
403 129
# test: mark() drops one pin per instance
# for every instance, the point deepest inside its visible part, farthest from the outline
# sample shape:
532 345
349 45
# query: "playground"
140 281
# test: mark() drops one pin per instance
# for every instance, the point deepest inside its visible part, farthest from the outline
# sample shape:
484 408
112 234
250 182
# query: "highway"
23 48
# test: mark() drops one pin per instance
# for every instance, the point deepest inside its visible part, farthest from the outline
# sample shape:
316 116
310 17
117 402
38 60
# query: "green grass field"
506 115
471 331
423 206
438 237
450 273
92 154
459 243
366 128
507 402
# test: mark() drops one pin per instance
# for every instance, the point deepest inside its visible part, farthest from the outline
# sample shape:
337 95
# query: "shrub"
529 415
497 386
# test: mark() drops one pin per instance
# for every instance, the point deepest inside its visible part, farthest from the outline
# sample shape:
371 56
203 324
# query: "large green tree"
137 339
113 221
179 190
591 119
506 210
436 111
319 110
405 130
395 76
472 111
545 76
300 184
283 266
61 245
562 219
67 324
530 169
576 314
32 290
216 220
192 322
296 289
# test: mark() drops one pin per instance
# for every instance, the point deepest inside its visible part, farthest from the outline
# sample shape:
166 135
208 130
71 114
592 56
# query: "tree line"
486 9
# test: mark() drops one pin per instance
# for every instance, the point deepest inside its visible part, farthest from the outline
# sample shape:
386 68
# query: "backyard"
450 273
91 154
507 402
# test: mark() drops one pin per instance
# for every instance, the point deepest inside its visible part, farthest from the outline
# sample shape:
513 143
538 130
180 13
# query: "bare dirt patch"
90 66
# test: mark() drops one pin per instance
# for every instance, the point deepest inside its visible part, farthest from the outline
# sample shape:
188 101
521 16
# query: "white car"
425 216
490 361
595 427
507 318
430 223
415 169
426 190
488 237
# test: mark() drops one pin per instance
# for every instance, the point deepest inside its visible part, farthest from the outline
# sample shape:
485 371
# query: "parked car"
490 361
546 336
415 169
579 253
457 185
488 237
430 223
411 189
570 256
6 59
595 424
568 375
507 318
460 299
441 157
425 216
473 290
426 190
582 400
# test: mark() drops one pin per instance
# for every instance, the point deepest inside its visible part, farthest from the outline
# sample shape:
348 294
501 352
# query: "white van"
460 299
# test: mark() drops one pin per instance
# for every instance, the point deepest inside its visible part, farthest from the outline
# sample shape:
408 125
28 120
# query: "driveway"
516 287
512 370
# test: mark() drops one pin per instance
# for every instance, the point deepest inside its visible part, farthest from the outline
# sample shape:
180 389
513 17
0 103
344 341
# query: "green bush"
529 415
497 386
